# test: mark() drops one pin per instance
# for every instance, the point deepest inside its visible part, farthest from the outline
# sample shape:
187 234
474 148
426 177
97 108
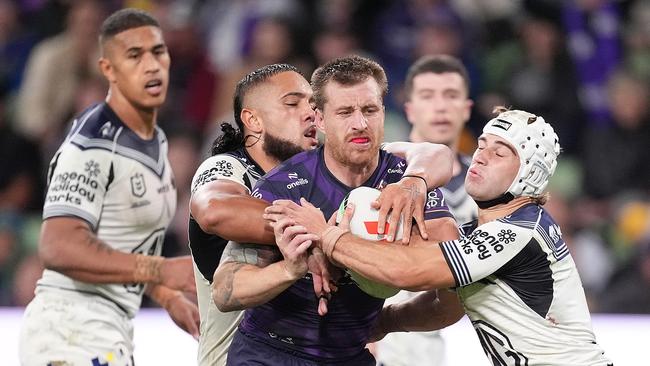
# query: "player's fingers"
303 247
406 222
317 281
393 220
305 203
347 216
322 306
332 219
419 221
384 208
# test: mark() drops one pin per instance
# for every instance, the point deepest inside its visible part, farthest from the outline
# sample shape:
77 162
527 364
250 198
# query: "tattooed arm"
69 246
250 274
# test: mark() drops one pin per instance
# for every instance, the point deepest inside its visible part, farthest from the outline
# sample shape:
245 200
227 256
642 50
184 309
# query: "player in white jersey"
110 198
438 107
266 102
511 269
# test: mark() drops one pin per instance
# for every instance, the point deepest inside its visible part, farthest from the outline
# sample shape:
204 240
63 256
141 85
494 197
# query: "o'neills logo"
299 182
72 187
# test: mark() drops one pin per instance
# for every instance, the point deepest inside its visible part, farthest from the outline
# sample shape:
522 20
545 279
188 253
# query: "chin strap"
504 198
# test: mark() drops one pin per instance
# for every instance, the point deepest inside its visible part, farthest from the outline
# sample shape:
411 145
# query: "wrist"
290 274
330 237
147 269
416 177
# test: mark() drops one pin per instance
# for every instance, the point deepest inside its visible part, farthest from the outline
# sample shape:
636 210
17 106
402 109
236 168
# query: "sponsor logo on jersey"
397 170
299 182
221 168
256 193
433 200
138 188
73 187
292 175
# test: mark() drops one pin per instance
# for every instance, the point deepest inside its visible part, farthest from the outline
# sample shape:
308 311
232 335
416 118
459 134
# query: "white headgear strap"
536 144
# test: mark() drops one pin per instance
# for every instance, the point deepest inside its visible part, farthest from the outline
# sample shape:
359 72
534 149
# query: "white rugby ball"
364 224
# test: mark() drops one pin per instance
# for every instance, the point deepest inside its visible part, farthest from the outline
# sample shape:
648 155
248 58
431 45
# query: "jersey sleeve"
77 183
484 251
435 206
220 167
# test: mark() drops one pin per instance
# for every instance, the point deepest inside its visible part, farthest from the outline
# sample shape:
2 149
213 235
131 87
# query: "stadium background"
582 64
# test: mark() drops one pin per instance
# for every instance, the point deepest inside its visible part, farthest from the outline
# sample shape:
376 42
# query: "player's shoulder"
97 122
527 217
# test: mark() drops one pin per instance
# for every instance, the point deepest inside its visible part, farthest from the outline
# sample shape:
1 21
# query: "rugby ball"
364 224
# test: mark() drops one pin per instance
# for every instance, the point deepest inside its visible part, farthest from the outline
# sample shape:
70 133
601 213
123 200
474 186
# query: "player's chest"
140 194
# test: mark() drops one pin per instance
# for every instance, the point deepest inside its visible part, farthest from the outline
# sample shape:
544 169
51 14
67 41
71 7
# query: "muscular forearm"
431 310
226 215
239 286
68 246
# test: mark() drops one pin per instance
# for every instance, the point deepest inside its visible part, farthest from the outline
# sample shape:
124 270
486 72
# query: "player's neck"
502 210
139 120
351 176
265 161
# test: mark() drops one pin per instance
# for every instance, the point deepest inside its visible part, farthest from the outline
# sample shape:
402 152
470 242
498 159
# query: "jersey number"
497 346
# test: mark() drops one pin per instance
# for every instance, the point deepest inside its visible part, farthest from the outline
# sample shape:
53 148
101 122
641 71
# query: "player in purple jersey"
287 329
512 269
275 120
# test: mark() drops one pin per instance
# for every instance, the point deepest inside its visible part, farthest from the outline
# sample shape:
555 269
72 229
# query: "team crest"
138 188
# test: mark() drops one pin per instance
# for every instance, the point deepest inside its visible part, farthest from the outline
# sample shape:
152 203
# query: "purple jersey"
291 319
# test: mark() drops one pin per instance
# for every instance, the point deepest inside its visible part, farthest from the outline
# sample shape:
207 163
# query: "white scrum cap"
536 144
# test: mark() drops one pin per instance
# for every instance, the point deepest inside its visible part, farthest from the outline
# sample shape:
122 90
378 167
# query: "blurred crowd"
584 65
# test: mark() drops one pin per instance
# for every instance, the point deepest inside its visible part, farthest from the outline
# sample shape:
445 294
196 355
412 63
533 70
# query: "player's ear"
408 111
106 69
318 120
251 120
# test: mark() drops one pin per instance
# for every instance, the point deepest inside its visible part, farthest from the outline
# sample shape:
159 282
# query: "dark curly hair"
231 138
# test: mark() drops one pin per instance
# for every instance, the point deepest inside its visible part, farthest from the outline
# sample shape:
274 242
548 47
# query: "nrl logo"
138 187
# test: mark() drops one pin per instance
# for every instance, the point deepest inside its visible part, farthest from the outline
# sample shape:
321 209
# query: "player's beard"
280 148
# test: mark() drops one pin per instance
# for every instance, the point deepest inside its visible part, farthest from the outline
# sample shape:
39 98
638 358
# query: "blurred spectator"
535 74
15 45
27 272
593 32
55 69
637 40
193 79
616 159
184 157
271 41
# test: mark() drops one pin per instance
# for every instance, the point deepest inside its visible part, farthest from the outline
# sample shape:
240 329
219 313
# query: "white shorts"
70 328
413 348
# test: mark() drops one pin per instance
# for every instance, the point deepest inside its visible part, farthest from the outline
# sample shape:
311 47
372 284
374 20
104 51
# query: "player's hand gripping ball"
364 224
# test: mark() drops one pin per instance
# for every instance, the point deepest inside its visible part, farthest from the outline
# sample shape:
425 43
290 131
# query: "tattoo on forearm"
225 287
93 241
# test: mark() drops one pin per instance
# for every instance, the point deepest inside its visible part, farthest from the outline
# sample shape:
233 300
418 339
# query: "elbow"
51 257
222 302
210 219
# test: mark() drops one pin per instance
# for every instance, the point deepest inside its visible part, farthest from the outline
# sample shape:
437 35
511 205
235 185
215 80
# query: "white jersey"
121 185
522 292
428 348
217 328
